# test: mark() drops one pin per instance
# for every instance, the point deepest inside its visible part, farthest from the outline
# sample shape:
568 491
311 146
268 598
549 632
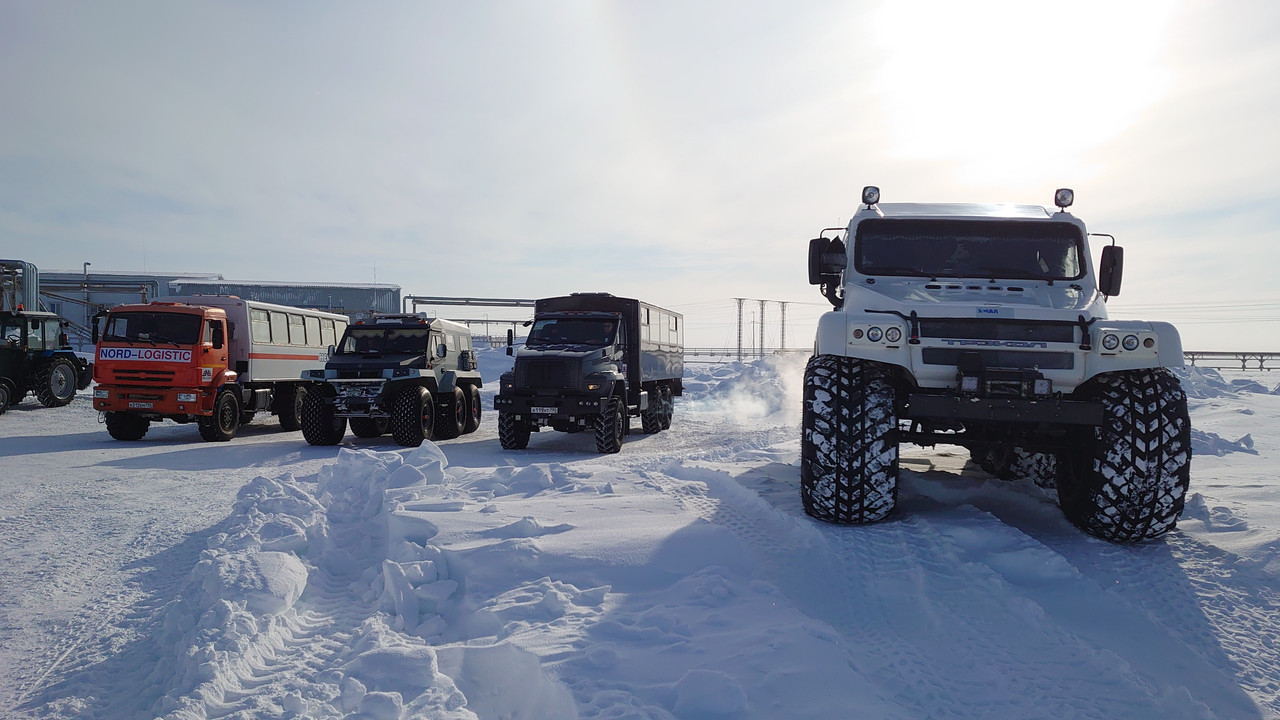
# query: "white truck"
986 326
213 359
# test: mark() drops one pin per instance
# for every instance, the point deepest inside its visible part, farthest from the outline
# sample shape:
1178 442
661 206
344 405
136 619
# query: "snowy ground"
677 579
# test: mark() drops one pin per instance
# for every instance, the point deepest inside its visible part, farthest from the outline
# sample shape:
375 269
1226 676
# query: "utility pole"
739 327
782 340
762 302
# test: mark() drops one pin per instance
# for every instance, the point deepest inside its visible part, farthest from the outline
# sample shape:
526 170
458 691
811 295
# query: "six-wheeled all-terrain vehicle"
985 326
407 374
35 357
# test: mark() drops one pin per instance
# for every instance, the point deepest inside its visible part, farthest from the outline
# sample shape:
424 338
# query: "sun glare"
1017 91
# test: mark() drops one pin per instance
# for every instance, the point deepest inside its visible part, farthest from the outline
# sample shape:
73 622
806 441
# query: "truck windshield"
595 332
153 327
372 339
971 249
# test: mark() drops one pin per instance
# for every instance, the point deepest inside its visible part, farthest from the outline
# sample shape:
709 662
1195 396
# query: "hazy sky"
681 152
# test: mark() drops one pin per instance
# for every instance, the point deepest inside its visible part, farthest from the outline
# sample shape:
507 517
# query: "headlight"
593 386
1130 342
186 397
1110 342
893 334
874 334
101 394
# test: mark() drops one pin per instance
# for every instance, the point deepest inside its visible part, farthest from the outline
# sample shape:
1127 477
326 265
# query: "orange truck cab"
193 359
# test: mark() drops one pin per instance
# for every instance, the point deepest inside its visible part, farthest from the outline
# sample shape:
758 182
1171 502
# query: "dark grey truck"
590 363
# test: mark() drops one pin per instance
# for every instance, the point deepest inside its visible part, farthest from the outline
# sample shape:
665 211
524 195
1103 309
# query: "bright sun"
1013 91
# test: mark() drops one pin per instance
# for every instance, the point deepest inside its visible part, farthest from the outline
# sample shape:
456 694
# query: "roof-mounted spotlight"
870 195
1063 197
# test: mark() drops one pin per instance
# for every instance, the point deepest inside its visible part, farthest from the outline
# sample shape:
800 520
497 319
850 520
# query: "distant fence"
1233 360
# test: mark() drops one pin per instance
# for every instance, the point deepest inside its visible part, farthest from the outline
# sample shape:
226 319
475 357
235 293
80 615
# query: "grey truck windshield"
596 332
969 249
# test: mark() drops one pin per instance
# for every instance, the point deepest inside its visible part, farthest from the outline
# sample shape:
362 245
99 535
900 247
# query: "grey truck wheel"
473 409
56 383
319 426
651 417
1127 479
366 427
126 426
451 414
412 416
222 425
848 441
610 427
512 433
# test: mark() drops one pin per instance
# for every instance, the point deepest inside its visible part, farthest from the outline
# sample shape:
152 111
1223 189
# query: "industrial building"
77 296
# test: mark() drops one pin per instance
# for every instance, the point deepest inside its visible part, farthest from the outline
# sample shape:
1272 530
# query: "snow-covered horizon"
679 578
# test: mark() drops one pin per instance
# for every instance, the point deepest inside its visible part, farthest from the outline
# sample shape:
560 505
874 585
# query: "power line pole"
782 340
739 327
762 302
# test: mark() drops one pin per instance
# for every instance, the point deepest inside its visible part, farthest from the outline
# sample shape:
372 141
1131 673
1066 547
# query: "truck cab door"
214 352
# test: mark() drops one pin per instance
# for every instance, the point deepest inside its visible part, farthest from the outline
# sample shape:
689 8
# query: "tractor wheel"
222 425
848 441
6 397
366 427
126 426
56 383
319 426
451 414
512 433
1126 480
412 416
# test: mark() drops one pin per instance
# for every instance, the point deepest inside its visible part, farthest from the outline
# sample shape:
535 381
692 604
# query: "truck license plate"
542 410
141 405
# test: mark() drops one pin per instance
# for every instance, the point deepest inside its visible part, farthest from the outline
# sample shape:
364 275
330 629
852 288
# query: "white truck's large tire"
315 416
412 416
1127 479
848 441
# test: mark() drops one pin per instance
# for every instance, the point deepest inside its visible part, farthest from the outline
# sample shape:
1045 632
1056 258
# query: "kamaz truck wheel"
319 426
848 442
610 427
290 412
126 426
451 415
512 433
222 425
56 383
412 416
1127 479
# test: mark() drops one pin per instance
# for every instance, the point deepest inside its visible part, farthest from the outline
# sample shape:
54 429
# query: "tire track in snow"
939 623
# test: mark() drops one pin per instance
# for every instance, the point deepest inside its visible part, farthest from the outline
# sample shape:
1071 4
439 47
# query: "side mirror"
97 321
826 260
1110 270
441 350
511 339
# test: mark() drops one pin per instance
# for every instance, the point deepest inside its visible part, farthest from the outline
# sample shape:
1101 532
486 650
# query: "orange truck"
216 360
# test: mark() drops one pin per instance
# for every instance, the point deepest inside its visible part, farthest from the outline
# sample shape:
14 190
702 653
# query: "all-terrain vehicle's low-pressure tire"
56 383
848 441
319 426
451 414
1127 479
610 427
474 409
512 433
412 416
1016 463
222 425
126 426
367 427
